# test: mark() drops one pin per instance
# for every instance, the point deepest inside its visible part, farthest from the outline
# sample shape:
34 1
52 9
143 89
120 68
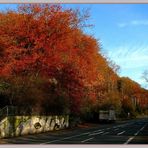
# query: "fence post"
7 111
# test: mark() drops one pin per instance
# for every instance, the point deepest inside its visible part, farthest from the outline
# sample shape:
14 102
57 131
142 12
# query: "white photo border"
74 2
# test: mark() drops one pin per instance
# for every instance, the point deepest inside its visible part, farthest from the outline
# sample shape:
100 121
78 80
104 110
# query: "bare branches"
145 75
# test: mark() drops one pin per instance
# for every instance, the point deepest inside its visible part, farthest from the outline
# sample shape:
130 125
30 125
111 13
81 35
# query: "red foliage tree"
45 40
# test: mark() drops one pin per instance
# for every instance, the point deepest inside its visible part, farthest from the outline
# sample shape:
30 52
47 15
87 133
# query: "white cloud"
133 23
139 22
121 25
134 57
132 60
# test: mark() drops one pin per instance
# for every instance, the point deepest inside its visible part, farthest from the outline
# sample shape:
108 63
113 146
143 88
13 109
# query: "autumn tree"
47 42
132 96
53 67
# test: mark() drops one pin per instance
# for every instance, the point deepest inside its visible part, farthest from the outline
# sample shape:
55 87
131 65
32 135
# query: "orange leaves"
47 40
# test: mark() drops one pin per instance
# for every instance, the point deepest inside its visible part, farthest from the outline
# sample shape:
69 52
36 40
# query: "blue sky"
122 30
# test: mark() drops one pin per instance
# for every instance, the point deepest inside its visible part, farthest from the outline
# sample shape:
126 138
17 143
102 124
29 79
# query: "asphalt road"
128 132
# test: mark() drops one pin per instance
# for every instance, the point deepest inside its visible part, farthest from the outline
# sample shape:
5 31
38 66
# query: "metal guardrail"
7 111
13 111
19 111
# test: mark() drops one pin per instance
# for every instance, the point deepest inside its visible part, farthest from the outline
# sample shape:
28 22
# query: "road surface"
128 132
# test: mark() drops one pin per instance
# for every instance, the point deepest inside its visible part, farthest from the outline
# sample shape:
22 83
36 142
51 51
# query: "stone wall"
21 125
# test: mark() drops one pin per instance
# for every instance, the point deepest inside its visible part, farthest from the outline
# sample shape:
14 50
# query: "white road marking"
51 141
27 139
75 136
98 130
116 129
143 127
105 133
135 134
96 133
101 131
88 133
139 130
131 138
121 133
65 138
87 139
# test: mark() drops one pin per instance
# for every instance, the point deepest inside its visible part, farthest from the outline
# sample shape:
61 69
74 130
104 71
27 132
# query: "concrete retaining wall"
21 125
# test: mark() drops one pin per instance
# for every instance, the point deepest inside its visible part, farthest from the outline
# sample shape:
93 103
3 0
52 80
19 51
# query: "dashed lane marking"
116 129
96 133
121 133
131 138
87 139
57 140
139 130
105 133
